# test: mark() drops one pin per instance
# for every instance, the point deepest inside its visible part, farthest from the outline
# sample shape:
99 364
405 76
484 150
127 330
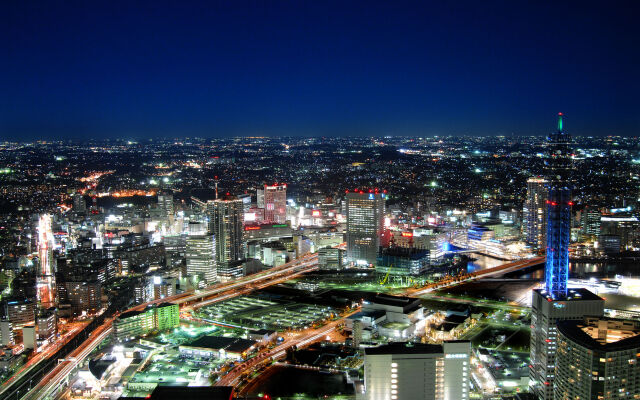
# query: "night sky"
129 69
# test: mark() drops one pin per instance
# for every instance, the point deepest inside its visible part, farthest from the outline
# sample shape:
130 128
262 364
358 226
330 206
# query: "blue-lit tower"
558 212
556 303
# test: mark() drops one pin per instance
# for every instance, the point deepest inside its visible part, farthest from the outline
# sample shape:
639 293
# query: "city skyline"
337 200
332 69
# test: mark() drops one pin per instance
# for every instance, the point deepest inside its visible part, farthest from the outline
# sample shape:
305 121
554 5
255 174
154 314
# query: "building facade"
200 254
535 213
365 225
133 324
598 359
559 203
275 204
590 221
407 371
226 220
165 203
47 325
330 258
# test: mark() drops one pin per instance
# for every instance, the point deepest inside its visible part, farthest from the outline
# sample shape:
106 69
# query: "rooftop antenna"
216 178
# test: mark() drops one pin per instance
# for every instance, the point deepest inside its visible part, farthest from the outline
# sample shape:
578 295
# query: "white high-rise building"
407 371
201 257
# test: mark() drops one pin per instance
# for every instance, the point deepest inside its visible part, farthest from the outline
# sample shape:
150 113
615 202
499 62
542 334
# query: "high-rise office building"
590 221
275 204
200 254
365 225
226 219
555 302
165 203
406 371
598 358
20 312
535 213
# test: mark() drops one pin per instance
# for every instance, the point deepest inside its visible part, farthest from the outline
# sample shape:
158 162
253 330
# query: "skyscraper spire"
560 122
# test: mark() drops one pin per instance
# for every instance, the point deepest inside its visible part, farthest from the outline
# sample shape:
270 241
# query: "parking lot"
255 312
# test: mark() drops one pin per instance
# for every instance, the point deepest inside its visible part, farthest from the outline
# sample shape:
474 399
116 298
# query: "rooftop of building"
408 304
375 314
602 334
192 392
404 348
408 252
262 331
572 295
132 313
219 342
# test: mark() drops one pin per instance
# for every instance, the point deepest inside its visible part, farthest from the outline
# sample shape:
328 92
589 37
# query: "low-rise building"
47 323
391 316
210 347
159 317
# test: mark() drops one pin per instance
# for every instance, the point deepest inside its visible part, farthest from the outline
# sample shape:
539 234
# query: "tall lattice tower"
558 212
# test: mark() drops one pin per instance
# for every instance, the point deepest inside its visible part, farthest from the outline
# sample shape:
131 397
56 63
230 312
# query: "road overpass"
483 273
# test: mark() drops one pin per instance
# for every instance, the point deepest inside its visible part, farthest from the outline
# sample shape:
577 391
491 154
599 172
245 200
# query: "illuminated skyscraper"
165 203
200 257
365 225
275 204
45 279
590 222
555 303
226 218
535 213
558 212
